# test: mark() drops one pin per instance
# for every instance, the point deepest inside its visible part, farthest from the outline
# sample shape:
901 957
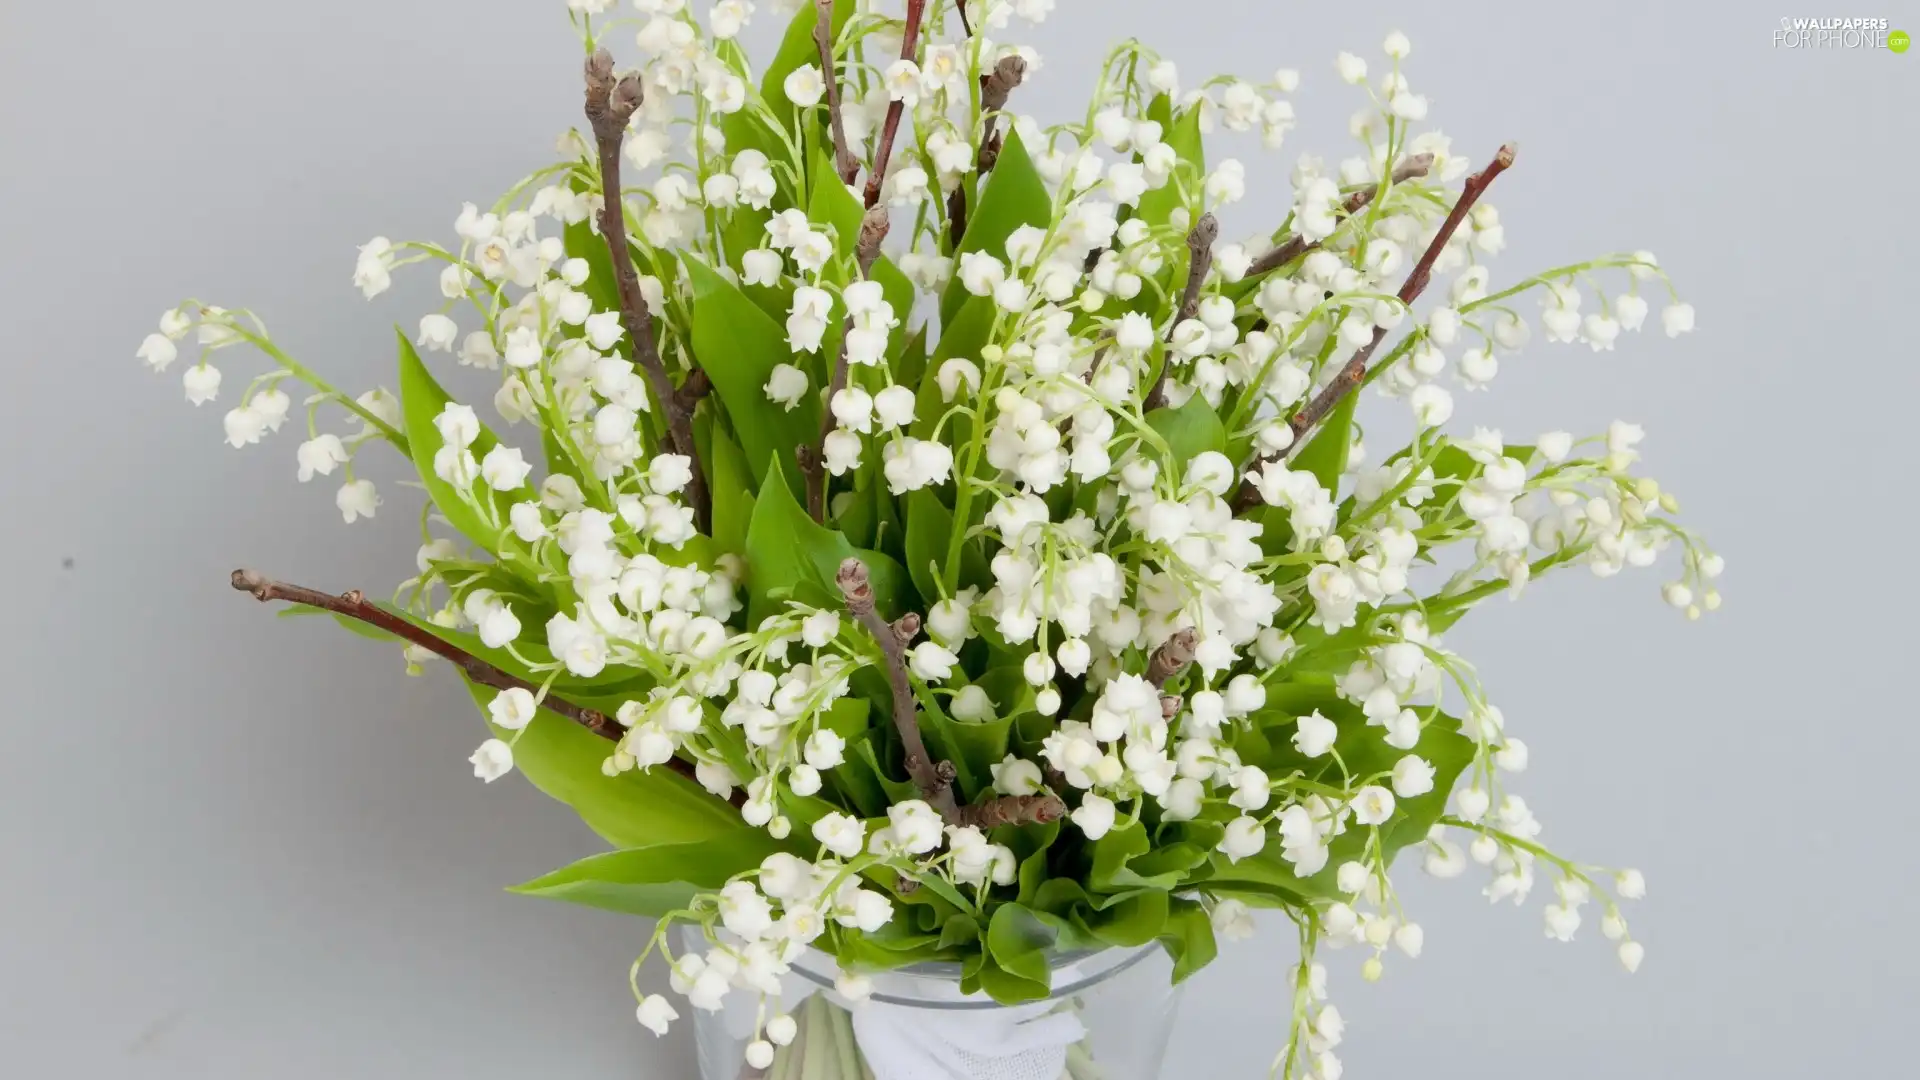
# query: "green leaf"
939 730
746 128
732 487
846 717
744 229
893 946
959 931
1059 897
1018 939
929 532
1003 986
897 791
1188 938
653 881
963 336
1455 464
976 747
790 554
1030 844
1015 195
1325 455
1365 754
853 512
559 462
831 203
934 890
857 780
634 809
1450 753
1007 687
1120 861
797 49
1182 133
803 810
1318 652
738 345
583 243
1132 922
421 400
1191 430
910 359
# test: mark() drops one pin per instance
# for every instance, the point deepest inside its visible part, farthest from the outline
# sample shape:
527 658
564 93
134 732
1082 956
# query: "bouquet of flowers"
911 533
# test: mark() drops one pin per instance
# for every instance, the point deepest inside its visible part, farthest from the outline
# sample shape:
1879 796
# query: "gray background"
239 847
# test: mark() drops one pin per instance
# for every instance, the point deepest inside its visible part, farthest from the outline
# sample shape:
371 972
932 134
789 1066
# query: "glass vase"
1108 1017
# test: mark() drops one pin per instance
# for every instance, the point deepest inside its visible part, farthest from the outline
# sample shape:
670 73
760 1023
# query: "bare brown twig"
995 87
843 159
1200 249
1012 810
353 605
610 105
1297 245
933 778
813 459
1354 371
909 48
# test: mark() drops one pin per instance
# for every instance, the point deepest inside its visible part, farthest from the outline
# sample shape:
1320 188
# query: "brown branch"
353 605
844 162
866 251
909 48
1171 658
957 216
610 105
1297 245
1200 249
995 87
695 387
960 7
1012 810
933 778
1354 371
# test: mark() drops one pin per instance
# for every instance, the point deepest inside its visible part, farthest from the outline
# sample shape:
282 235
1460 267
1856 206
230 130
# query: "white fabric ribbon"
906 1042
1017 1042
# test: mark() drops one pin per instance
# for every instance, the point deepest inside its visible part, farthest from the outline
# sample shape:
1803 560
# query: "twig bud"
1172 658
248 581
626 98
600 71
1205 232
995 87
855 586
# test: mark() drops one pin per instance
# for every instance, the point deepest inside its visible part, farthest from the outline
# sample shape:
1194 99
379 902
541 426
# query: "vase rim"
820 969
